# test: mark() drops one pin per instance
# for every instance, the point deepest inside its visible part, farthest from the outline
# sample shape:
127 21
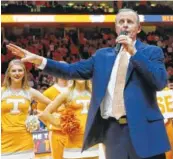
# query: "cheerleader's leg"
58 140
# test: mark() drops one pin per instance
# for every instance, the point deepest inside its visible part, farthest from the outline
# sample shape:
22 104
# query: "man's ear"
139 29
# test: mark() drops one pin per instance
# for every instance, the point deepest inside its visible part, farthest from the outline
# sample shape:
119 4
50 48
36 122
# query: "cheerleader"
169 129
16 97
56 137
165 101
72 119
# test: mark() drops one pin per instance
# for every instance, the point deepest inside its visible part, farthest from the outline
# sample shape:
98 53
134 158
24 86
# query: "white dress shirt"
43 64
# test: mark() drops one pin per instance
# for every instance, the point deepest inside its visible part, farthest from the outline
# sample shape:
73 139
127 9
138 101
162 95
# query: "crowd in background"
55 7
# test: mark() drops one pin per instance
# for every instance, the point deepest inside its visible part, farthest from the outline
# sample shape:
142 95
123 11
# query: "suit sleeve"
79 70
151 68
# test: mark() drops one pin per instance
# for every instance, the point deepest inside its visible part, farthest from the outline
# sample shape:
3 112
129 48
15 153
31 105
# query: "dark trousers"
118 143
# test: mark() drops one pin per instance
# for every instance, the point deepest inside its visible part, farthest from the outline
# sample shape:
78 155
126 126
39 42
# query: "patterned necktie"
118 108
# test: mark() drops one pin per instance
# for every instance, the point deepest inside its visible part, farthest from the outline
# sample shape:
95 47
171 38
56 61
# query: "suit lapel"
139 45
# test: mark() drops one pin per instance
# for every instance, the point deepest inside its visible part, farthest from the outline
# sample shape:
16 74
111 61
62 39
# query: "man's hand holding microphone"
126 42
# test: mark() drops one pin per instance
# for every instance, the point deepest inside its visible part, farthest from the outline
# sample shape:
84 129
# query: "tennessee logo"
15 102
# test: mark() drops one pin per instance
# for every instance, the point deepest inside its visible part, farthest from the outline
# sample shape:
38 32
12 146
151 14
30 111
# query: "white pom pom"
32 123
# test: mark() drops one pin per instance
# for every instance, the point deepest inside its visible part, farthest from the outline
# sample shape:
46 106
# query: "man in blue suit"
134 129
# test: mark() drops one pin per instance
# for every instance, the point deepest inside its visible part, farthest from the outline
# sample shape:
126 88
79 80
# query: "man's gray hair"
130 10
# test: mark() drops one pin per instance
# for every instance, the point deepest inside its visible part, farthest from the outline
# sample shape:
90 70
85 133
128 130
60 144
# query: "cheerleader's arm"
47 117
38 96
57 102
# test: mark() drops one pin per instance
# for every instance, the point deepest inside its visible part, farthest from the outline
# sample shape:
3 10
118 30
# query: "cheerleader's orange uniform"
169 129
15 139
56 137
79 105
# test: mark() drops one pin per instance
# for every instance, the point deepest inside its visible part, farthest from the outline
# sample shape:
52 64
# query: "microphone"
118 46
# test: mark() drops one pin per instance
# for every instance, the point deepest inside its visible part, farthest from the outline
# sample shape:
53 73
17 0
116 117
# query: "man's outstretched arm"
79 70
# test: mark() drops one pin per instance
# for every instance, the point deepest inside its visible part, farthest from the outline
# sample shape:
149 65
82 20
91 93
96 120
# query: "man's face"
127 21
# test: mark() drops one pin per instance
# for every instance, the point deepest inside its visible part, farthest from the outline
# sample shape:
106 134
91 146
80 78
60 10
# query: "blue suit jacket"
146 74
